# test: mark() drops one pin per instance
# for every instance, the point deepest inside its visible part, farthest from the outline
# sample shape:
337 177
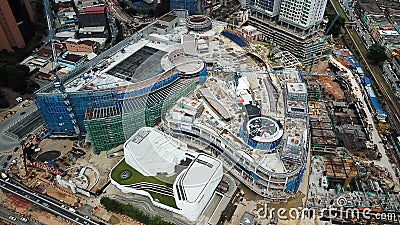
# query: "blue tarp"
233 37
375 104
366 81
353 62
70 21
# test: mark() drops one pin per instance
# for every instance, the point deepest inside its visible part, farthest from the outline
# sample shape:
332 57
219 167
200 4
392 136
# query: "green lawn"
137 177
166 200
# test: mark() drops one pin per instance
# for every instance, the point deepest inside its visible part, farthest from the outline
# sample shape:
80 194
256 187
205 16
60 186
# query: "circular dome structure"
264 133
188 66
198 23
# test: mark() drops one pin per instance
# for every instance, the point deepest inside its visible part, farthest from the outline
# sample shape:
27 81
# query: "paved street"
46 204
6 142
9 216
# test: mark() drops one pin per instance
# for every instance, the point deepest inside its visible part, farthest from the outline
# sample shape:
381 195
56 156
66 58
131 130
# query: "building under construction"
124 88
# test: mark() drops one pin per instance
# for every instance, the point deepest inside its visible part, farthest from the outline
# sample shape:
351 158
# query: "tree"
337 26
377 53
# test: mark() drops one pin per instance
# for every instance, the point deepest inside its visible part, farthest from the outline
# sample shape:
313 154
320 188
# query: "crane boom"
58 82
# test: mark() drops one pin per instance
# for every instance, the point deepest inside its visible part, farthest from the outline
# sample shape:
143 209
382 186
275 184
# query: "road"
390 99
46 204
117 12
8 143
6 214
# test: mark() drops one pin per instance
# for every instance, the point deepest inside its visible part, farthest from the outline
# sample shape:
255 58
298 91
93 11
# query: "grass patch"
166 200
137 177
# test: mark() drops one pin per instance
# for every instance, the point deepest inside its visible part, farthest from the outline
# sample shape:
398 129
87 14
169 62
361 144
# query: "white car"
23 219
12 218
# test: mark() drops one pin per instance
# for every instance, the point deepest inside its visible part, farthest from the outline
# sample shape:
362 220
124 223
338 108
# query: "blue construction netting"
235 38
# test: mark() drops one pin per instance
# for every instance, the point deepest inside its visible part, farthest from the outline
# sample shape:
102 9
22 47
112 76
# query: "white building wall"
302 13
192 210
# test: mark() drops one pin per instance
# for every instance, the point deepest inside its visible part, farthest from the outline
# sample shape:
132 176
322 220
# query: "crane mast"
58 82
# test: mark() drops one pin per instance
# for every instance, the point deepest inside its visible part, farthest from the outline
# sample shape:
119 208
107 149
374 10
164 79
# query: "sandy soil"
331 87
67 197
60 145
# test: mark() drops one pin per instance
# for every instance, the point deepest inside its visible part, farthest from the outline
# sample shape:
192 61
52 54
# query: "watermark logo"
341 201
337 211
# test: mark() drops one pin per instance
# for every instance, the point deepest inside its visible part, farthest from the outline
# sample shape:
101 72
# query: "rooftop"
198 175
168 18
141 65
93 10
296 88
92 29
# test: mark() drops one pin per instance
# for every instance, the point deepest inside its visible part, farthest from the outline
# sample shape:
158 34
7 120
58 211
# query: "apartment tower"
293 25
10 34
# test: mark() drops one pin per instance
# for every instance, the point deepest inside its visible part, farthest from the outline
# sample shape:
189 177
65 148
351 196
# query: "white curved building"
154 154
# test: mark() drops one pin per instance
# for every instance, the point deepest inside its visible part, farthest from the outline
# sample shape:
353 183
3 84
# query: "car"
9 157
15 149
23 219
22 113
12 218
5 165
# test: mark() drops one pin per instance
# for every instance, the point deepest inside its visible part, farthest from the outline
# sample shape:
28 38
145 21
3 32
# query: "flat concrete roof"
217 105
168 18
188 65
296 87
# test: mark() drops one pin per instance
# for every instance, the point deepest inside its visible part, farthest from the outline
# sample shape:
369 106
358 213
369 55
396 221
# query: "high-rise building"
293 25
10 34
302 13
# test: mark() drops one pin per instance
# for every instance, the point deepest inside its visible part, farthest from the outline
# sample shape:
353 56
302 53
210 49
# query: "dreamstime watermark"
338 211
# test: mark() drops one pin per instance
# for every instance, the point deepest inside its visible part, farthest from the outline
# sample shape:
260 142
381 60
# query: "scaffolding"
55 112
109 127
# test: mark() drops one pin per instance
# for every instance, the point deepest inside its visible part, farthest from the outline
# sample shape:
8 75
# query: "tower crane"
58 84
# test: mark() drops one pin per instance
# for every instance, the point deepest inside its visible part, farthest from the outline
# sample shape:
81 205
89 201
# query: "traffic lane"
44 203
6 215
6 159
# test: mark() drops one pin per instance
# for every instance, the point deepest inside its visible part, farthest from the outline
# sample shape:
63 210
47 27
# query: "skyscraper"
302 13
10 34
293 25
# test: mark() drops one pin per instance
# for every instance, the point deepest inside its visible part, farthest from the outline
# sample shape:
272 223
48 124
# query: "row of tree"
127 209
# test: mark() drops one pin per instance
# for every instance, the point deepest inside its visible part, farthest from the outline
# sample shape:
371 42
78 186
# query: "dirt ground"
321 67
60 145
47 218
67 197
113 218
102 163
331 86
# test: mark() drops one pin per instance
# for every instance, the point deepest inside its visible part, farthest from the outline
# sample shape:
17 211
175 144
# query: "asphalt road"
7 143
7 215
46 204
